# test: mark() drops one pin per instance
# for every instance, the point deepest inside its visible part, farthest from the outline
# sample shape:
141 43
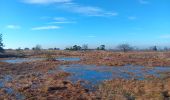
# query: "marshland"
84 50
84 74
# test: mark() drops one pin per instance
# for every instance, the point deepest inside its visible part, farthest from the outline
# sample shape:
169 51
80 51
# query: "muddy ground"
33 81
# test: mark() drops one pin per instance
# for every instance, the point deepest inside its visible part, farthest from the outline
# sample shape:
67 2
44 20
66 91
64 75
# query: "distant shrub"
155 48
19 49
56 48
74 48
101 47
26 49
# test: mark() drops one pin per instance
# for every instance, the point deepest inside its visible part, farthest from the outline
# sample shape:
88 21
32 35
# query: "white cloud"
111 13
143 1
13 27
45 28
62 22
132 17
88 10
166 36
60 19
69 5
91 36
46 1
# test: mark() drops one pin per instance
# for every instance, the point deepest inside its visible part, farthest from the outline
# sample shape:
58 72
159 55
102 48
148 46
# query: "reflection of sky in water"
1 84
97 74
68 59
9 90
21 60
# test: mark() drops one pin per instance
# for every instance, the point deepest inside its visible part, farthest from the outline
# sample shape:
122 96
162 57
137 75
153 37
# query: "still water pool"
94 75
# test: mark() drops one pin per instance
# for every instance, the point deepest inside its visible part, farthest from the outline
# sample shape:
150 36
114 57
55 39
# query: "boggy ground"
35 81
105 57
133 58
110 58
121 89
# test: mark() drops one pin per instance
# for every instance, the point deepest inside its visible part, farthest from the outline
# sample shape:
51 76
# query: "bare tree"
37 49
85 47
166 49
124 47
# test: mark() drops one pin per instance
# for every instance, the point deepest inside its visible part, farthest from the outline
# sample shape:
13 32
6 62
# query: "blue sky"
63 23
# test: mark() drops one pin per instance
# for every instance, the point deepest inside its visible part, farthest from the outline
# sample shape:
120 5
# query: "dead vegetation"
120 89
35 82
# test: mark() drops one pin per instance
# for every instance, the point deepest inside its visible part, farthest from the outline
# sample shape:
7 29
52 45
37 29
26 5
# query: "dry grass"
53 86
135 90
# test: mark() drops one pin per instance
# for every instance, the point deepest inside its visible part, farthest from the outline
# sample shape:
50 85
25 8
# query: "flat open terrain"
85 75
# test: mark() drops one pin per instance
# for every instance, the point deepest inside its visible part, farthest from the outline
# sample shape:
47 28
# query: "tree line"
122 47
